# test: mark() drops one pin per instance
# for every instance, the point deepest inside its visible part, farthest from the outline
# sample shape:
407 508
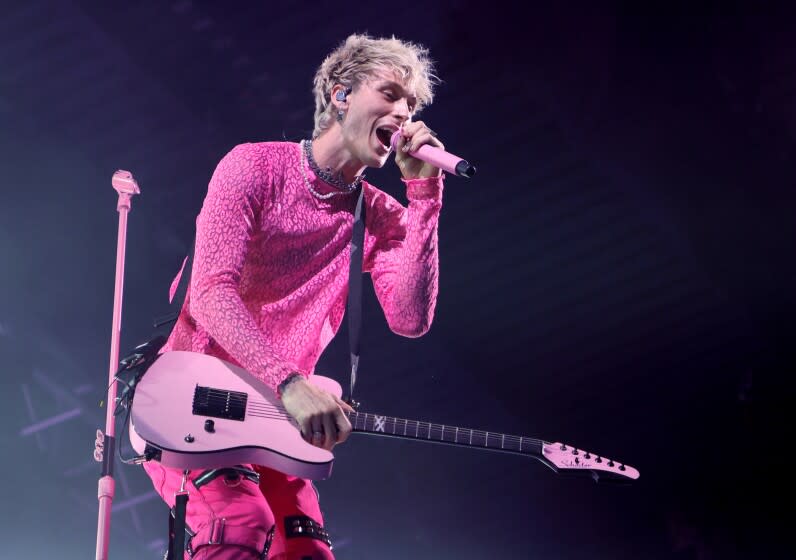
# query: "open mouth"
384 134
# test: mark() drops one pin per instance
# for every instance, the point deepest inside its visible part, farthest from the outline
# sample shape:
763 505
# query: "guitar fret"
374 423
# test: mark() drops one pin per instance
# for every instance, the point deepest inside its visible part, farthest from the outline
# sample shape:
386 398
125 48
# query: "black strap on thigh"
303 526
177 522
177 526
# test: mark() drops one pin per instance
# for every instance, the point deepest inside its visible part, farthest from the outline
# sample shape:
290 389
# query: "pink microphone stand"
126 186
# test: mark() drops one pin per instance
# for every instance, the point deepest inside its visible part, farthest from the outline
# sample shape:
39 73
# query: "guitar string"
441 429
221 399
218 395
433 434
430 431
264 409
436 431
433 427
271 416
225 396
515 439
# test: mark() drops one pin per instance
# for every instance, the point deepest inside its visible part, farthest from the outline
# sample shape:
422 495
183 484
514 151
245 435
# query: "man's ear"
341 93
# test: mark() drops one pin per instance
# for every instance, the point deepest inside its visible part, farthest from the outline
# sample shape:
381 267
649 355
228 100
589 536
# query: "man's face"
376 108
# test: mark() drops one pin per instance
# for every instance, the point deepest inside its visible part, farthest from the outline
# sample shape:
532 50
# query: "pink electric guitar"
193 411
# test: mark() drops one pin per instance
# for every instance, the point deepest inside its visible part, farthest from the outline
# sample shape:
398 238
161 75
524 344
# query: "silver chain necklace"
306 159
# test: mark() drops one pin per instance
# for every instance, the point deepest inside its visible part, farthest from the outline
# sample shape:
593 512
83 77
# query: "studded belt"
303 526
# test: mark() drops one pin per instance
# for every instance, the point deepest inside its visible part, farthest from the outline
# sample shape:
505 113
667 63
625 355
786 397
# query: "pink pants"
232 519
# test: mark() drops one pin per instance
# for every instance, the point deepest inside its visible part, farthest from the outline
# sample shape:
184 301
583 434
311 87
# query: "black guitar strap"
355 289
180 293
177 523
177 526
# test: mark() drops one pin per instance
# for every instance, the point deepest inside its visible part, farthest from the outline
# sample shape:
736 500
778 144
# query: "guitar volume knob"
210 426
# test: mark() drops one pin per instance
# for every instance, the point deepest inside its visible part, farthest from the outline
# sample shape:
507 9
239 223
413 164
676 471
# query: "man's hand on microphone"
319 413
414 135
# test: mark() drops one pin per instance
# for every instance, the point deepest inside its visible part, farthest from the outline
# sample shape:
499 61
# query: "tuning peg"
351 402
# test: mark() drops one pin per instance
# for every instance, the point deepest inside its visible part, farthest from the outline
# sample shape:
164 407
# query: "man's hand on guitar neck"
319 413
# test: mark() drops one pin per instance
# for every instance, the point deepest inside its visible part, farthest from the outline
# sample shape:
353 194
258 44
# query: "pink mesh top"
270 273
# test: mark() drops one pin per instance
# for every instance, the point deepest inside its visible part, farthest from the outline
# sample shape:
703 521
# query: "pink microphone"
438 158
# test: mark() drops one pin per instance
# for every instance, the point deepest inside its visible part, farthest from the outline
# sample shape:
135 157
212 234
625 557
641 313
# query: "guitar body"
201 412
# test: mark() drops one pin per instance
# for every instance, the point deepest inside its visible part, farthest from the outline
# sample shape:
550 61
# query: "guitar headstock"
566 459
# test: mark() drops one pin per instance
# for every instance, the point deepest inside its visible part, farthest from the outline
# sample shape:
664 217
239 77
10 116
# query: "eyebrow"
400 88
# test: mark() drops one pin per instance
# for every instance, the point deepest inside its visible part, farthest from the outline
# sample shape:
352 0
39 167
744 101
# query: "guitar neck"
439 433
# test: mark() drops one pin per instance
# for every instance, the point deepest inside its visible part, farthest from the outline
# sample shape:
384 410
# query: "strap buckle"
217 531
183 491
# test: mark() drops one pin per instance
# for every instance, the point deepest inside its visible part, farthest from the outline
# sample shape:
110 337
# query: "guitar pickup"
219 403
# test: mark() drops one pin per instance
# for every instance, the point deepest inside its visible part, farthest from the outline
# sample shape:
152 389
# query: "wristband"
287 381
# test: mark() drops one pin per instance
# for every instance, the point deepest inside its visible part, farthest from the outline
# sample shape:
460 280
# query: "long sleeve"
236 201
404 256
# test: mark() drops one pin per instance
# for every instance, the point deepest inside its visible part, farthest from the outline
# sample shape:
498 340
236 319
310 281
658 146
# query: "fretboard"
440 433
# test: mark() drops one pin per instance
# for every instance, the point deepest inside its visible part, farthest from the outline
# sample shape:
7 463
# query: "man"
270 277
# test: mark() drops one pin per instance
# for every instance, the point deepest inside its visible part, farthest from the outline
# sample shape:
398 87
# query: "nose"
401 109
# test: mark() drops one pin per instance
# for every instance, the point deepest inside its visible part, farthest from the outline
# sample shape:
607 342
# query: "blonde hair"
360 57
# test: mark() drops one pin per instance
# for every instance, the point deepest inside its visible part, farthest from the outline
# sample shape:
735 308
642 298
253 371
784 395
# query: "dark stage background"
619 275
